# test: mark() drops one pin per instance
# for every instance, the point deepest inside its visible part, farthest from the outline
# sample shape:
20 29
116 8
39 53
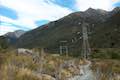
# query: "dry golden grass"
22 67
14 73
107 68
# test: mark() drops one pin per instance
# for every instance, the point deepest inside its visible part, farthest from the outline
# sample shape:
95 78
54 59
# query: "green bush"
106 53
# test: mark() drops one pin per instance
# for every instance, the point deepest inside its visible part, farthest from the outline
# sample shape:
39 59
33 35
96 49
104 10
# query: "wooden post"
42 60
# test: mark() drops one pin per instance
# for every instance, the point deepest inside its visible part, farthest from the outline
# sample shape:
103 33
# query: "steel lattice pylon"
86 47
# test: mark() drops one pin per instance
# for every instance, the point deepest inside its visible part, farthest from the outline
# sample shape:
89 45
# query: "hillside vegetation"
4 44
103 32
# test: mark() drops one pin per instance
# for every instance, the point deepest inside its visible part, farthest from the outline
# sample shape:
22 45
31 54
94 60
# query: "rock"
81 72
73 70
65 73
23 51
51 63
55 55
47 77
81 62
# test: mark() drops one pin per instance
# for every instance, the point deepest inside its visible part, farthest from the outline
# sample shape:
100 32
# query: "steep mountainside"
103 31
107 34
13 36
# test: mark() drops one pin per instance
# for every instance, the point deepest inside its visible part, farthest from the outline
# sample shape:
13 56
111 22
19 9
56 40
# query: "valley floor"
56 67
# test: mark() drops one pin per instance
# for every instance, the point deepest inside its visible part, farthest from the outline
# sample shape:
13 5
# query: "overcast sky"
29 14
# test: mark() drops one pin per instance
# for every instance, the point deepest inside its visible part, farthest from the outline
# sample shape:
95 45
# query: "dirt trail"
87 73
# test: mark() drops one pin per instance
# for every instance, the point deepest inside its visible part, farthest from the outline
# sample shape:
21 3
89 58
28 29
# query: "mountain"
13 36
108 33
103 31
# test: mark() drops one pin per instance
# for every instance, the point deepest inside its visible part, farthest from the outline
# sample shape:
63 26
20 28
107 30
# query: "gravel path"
87 73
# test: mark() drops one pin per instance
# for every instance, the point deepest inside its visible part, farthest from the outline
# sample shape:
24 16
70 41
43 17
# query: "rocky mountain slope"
103 31
13 36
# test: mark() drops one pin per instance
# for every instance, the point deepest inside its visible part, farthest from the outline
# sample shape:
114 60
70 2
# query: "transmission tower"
64 47
86 47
